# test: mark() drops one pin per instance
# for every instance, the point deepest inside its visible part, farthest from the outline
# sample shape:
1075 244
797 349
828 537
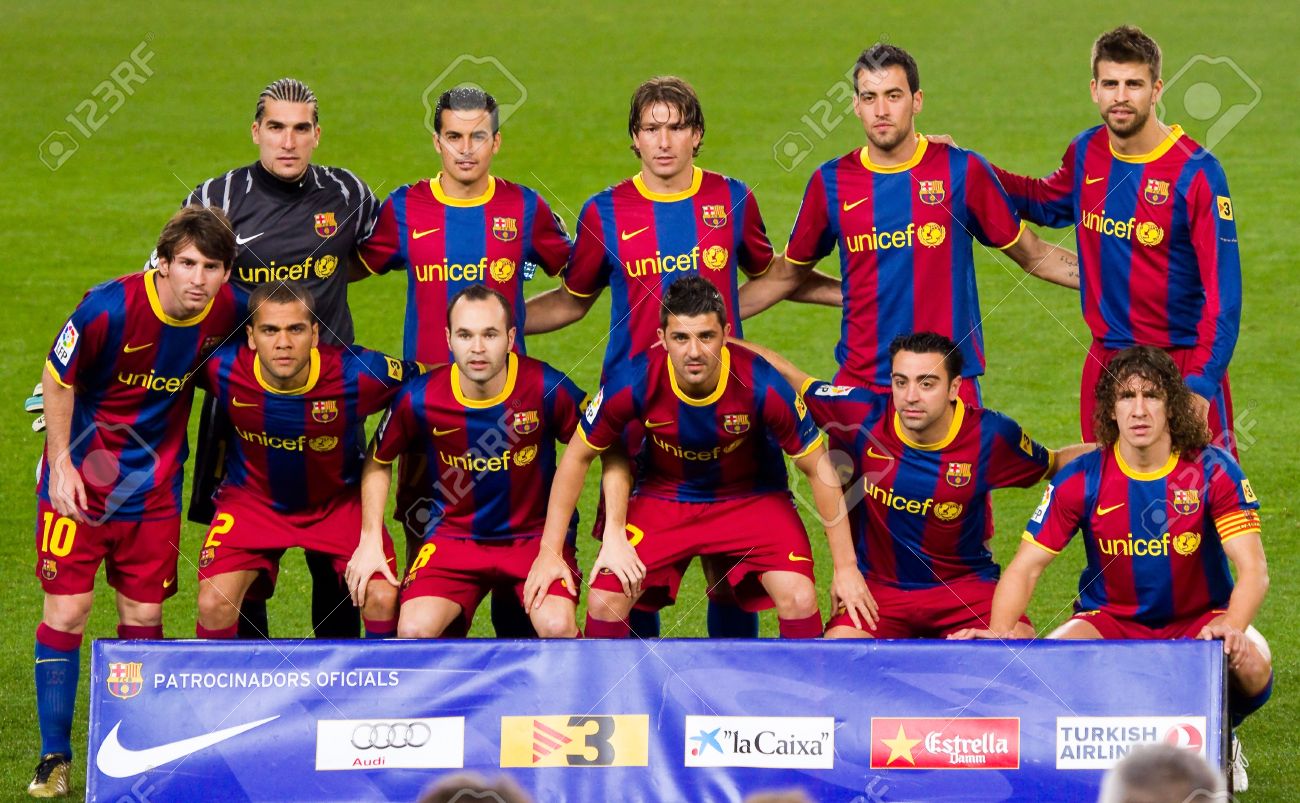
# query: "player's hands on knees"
849 591
547 567
67 490
972 633
620 558
368 558
1235 643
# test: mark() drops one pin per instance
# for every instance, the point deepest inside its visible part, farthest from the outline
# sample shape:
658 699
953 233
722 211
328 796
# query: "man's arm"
1011 599
566 487
1061 457
67 490
785 279
555 309
1048 262
819 288
789 371
1247 555
376 478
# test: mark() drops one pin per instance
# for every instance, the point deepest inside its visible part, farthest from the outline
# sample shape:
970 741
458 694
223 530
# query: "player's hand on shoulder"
546 569
849 592
619 558
366 560
942 139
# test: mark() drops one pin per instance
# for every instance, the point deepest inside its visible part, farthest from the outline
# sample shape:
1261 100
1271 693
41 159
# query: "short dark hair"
290 89
673 92
466 99
1155 772
280 293
205 227
481 292
880 57
1127 44
690 296
1186 429
930 343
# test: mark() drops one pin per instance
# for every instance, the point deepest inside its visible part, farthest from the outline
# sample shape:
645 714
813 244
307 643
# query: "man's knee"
555 620
216 608
381 600
608 606
67 613
796 599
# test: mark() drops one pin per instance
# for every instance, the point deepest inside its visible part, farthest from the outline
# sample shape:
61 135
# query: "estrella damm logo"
715 257
1156 191
958 474
525 422
325 225
1186 543
931 192
502 270
324 411
505 229
125 679
1187 501
620 740
715 215
736 423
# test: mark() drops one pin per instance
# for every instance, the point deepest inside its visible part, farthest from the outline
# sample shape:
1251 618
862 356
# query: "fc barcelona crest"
323 412
125 679
736 423
1156 192
958 474
715 215
206 556
931 192
505 229
1187 502
325 225
49 569
525 422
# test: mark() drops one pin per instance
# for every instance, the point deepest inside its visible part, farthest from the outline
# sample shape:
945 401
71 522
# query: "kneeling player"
925 463
293 472
712 481
1162 515
489 422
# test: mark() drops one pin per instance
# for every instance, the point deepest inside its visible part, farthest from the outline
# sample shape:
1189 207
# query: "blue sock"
644 624
1240 706
729 621
57 673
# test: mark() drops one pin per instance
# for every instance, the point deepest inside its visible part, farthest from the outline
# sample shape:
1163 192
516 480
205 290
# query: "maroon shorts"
753 534
928 612
247 535
1099 357
464 570
1116 628
139 557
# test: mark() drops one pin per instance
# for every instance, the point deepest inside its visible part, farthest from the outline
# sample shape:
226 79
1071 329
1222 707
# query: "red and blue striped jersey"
297 449
920 514
1157 244
447 244
495 457
130 364
905 235
727 445
637 242
1154 540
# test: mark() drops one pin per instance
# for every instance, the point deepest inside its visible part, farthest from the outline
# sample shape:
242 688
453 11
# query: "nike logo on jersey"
438 433
627 235
656 424
1101 511
130 349
1090 180
117 761
237 403
871 452
415 235
849 207
795 557
241 240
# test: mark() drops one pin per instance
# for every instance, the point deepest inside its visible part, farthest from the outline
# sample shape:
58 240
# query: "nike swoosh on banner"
241 240
117 761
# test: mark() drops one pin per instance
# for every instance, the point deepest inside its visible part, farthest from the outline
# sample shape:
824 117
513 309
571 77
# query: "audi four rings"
390 734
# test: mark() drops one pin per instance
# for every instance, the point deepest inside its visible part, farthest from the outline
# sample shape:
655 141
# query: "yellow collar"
921 144
512 372
1175 133
446 200
1159 473
697 178
313 375
151 290
958 415
717 392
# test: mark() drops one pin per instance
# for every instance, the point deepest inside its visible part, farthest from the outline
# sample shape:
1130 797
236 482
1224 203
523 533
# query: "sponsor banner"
671 719
778 742
358 744
1098 743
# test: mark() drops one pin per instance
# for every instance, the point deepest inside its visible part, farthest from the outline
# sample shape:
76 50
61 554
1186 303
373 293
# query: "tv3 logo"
575 741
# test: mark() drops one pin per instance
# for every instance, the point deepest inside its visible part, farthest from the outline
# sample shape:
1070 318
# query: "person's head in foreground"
1161 773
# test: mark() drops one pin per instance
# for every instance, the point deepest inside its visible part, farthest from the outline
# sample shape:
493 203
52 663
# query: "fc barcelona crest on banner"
958 474
125 679
505 229
1156 192
1187 502
715 215
325 225
736 423
931 192
525 422
323 412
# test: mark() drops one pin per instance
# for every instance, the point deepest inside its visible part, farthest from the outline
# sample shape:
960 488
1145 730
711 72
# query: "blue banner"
687 719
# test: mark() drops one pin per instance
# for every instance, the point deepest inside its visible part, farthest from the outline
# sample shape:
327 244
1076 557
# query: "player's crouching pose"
293 473
489 422
1162 514
712 480
117 400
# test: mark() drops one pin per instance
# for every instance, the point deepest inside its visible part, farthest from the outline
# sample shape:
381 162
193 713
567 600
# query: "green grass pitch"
1006 78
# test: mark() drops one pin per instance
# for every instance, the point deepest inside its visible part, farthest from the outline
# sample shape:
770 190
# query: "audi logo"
390 734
